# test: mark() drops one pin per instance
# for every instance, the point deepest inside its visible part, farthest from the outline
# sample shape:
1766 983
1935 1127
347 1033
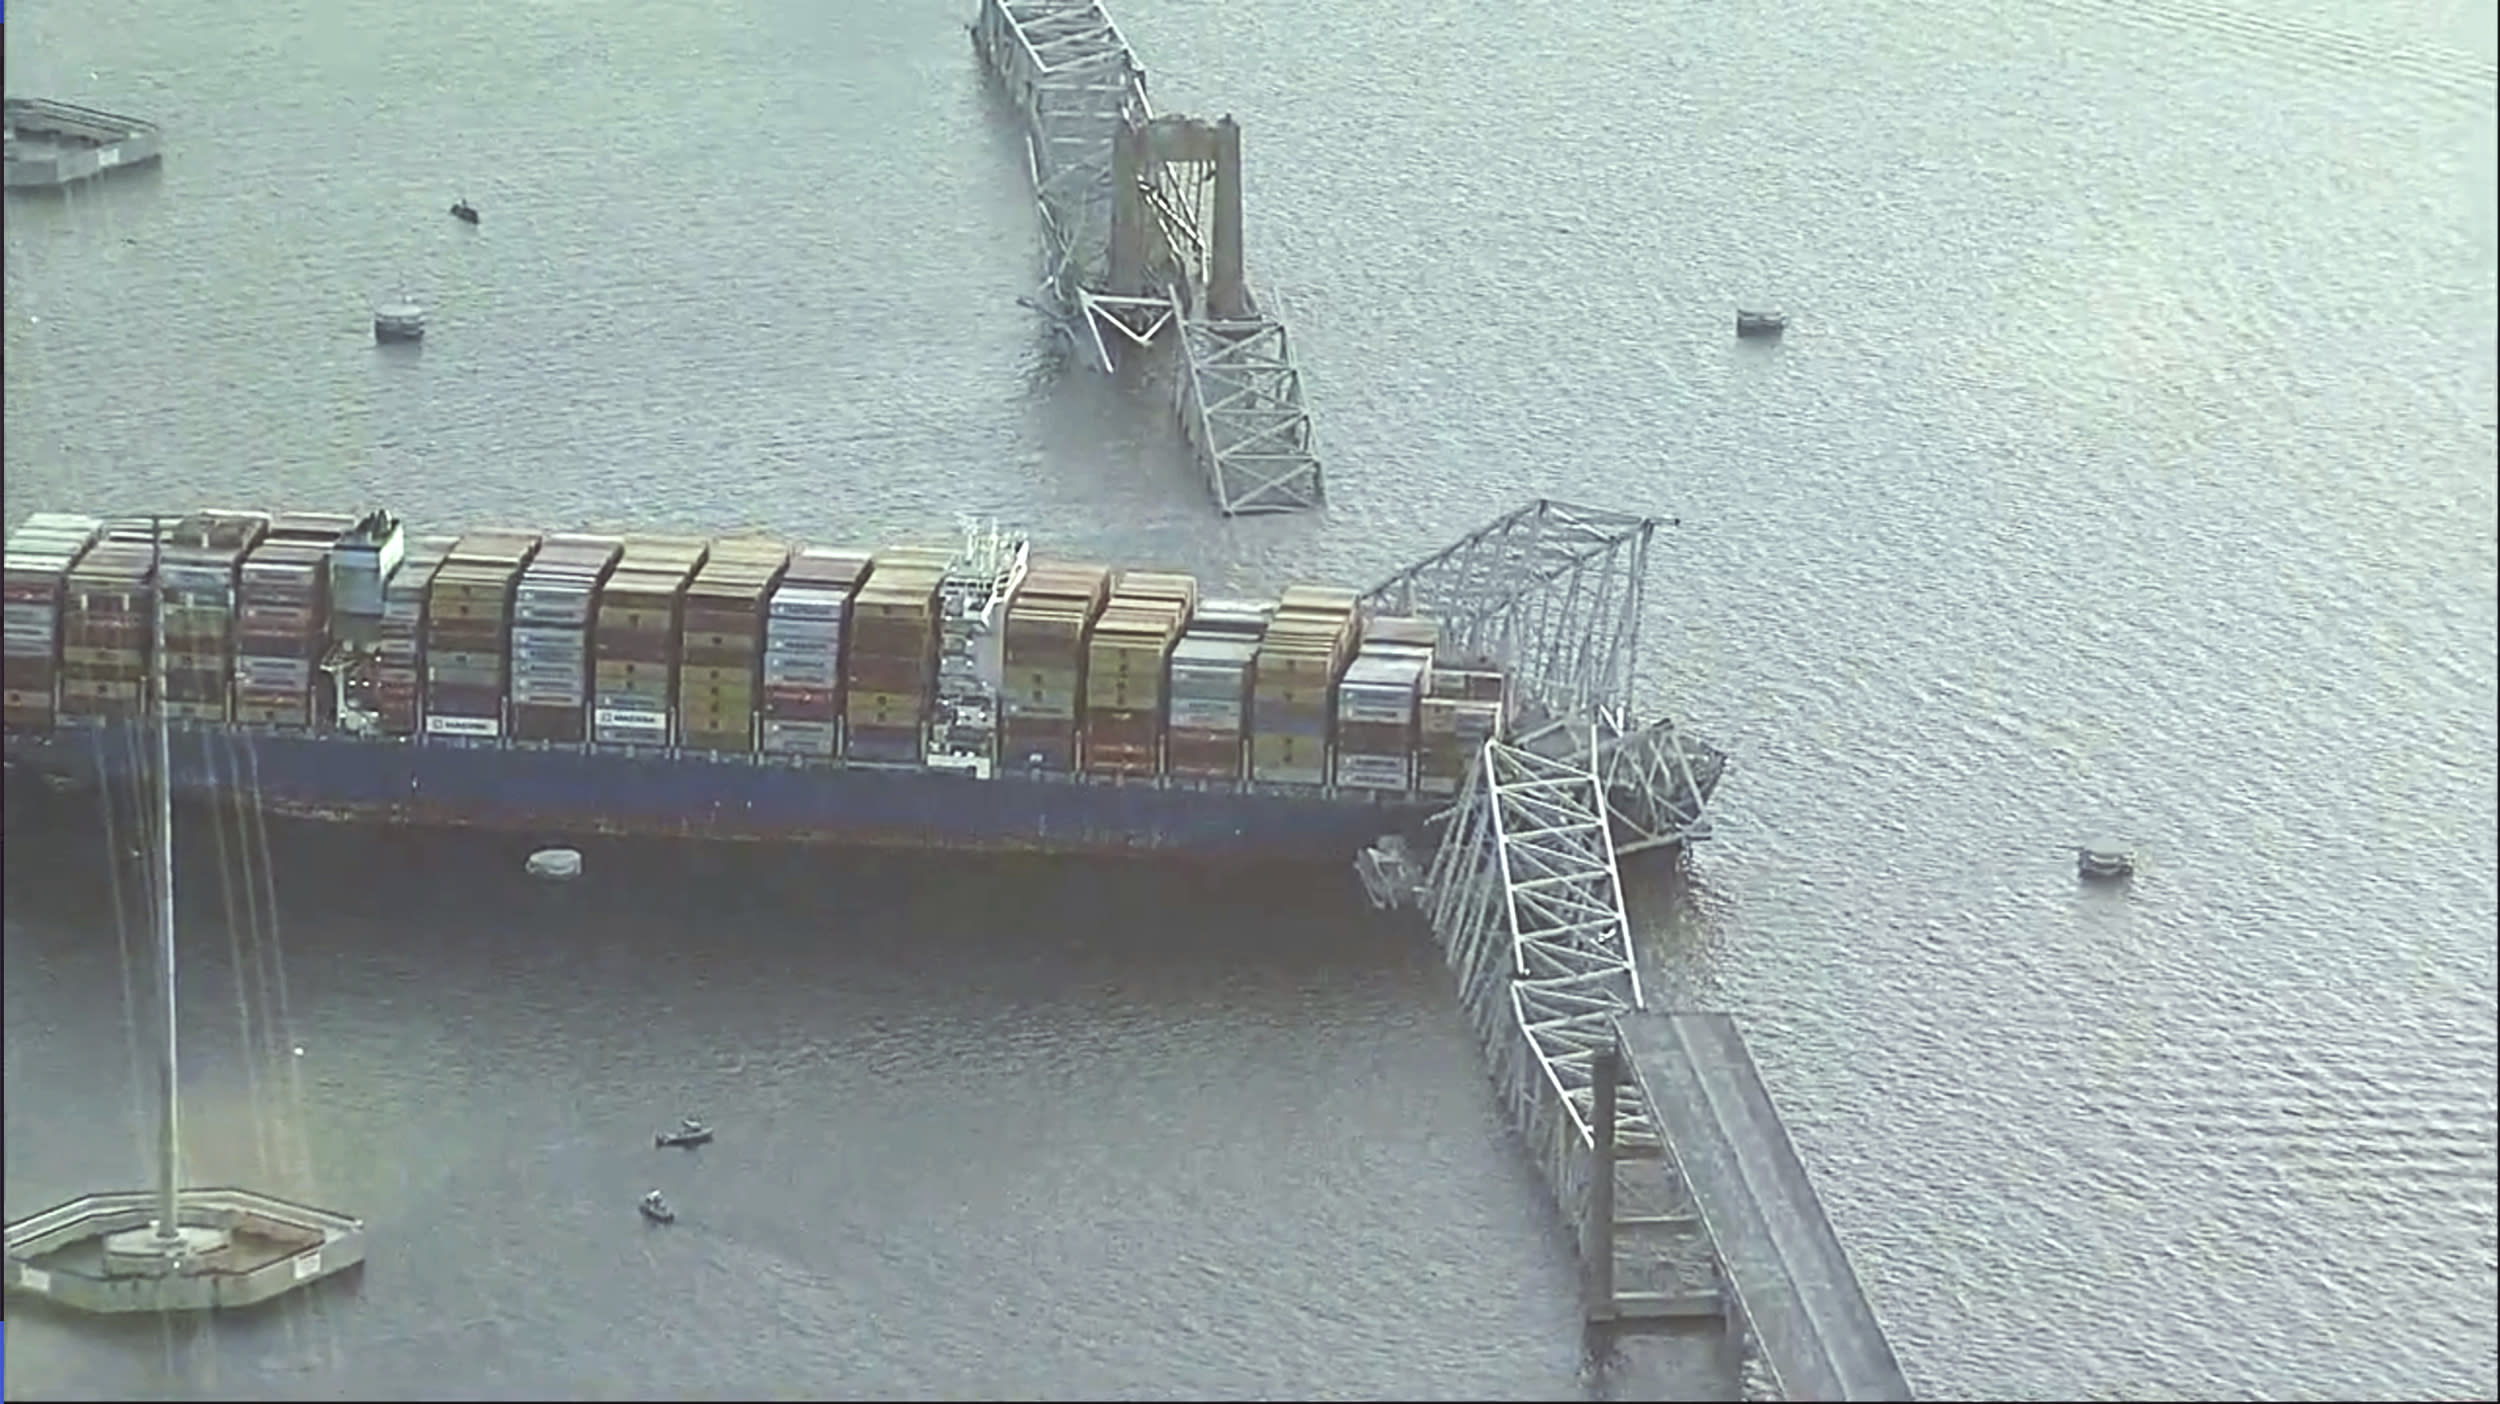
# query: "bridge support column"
1228 294
1597 1230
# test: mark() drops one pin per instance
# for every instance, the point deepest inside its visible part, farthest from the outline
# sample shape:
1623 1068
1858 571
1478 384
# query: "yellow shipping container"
1287 753
1318 599
700 675
895 703
632 619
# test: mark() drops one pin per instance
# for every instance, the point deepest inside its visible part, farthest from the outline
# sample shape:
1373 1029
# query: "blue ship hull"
553 792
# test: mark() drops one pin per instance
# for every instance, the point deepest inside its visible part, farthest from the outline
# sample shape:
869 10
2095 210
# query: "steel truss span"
1141 234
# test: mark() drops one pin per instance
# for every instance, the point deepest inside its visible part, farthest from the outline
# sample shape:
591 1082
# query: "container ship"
972 696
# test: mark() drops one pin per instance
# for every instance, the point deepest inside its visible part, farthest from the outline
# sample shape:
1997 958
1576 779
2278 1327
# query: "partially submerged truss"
1141 233
1523 890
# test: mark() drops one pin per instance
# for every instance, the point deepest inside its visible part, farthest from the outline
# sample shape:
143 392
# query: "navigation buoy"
2104 859
556 864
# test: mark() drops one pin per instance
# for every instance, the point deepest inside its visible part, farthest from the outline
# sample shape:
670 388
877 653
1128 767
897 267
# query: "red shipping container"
1204 755
1055 742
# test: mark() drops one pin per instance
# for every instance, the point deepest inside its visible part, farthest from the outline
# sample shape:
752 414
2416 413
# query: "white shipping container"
797 664
1199 715
546 665
1357 702
813 738
630 736
805 603
776 664
1209 680
439 724
801 650
1362 772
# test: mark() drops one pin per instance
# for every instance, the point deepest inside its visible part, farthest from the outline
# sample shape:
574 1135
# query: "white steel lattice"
1121 266
1240 404
1071 76
1525 898
1554 591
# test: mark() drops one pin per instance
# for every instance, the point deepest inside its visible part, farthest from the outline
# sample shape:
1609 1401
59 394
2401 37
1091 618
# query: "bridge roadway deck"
1815 1330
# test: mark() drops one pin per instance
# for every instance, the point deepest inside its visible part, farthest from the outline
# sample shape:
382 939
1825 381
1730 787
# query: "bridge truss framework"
1141 238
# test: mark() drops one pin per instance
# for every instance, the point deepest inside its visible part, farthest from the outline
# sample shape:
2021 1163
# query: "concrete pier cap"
233 1248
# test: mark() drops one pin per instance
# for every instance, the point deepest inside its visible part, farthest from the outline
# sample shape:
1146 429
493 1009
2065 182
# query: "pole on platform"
169 1170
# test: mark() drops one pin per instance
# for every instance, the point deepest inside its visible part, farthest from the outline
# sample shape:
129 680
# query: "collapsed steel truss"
1528 903
1141 232
1523 890
1552 590
1070 75
1240 404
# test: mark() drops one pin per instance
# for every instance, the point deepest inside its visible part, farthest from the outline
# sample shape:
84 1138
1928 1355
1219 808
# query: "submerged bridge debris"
1141 235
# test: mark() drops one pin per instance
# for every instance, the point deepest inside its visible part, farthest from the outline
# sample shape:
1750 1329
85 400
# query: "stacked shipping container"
893 658
1209 690
280 632
200 576
282 622
803 635
1376 703
736 646
634 687
1125 667
1299 660
398 675
1047 623
551 609
105 624
39 555
468 632
1465 705
723 643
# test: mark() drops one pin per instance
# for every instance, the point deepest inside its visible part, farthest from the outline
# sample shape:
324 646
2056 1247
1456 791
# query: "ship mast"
168 1224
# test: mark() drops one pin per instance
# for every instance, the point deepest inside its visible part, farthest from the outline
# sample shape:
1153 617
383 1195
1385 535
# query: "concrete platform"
54 144
90 1253
1810 1320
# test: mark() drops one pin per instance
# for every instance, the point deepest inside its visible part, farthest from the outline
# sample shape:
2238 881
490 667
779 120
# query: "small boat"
2103 861
656 1209
689 1132
1760 323
399 319
465 212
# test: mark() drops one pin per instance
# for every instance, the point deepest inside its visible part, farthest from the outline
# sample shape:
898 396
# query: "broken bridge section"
1785 1282
1141 235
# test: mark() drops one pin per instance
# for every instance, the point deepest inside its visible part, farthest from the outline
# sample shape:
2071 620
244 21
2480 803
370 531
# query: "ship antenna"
168 1225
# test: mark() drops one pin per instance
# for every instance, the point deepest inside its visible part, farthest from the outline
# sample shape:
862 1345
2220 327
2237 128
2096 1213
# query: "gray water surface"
2127 468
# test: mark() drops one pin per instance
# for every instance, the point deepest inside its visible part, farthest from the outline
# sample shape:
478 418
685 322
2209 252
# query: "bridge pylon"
1141 221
